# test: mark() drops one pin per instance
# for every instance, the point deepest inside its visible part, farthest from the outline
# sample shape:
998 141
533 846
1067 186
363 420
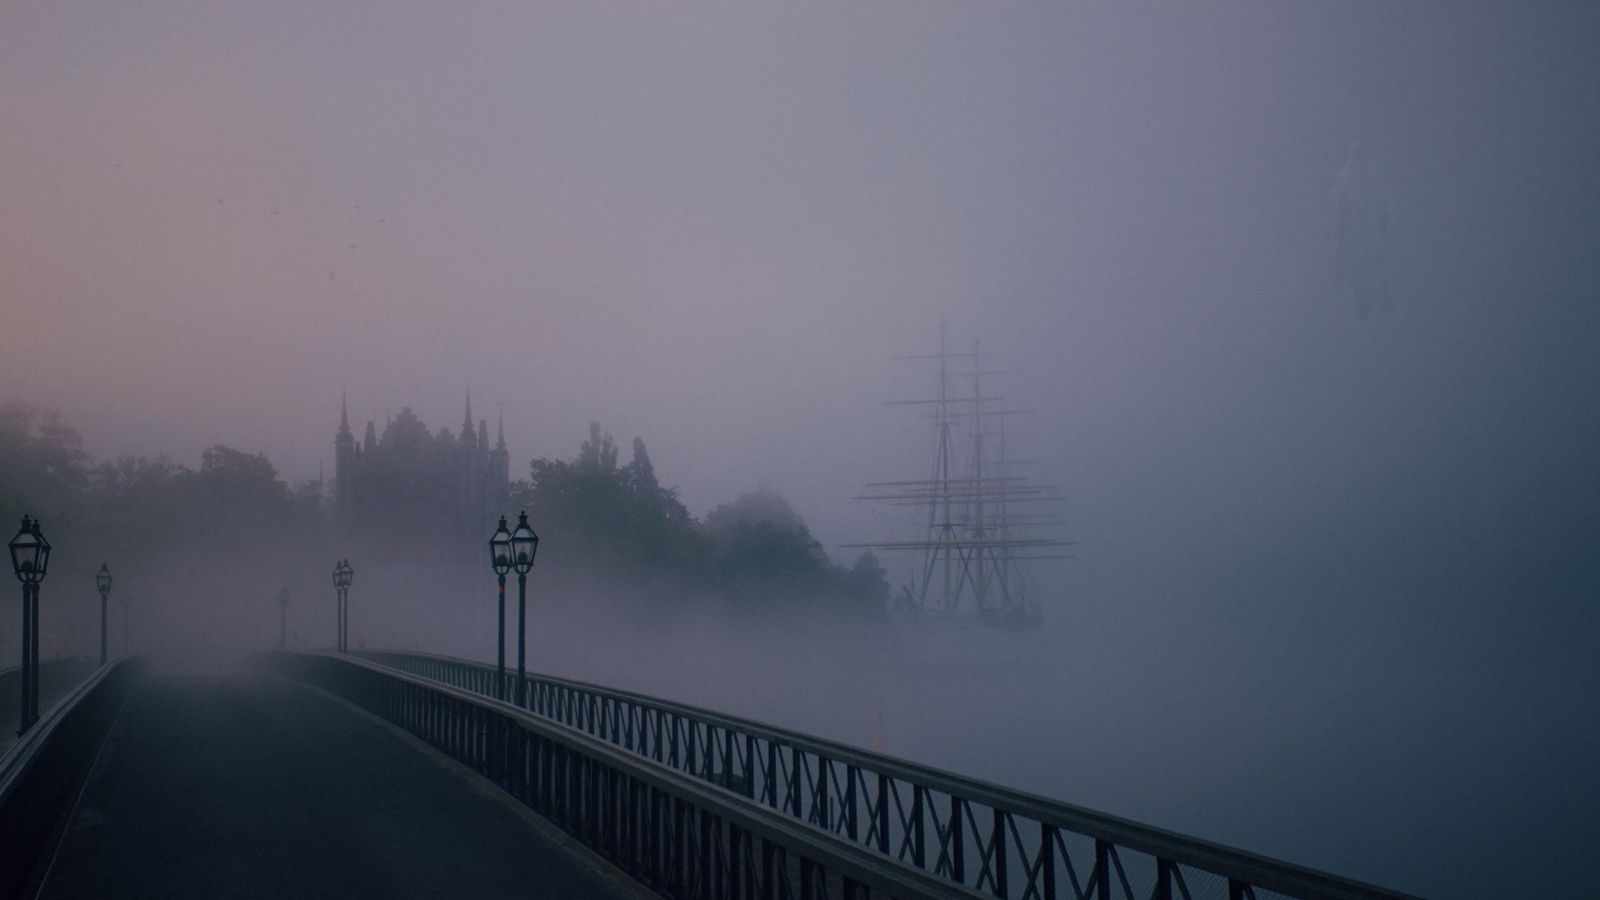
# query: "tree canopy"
598 518
618 522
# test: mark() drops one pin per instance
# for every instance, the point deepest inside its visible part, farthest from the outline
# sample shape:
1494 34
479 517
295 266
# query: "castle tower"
412 475
466 467
344 465
500 461
468 435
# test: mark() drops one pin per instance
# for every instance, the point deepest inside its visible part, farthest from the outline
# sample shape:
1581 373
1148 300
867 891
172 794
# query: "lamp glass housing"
500 549
102 579
30 553
524 544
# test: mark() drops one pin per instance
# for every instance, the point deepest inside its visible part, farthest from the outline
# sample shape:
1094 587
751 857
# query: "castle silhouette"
411 478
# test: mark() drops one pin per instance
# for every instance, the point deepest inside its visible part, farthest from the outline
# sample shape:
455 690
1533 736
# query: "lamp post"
342 576
338 607
524 544
102 580
283 618
349 576
500 559
30 558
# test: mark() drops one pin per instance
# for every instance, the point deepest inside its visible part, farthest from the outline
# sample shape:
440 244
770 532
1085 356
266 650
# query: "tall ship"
982 525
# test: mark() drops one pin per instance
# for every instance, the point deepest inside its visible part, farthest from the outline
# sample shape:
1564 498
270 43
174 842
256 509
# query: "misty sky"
716 225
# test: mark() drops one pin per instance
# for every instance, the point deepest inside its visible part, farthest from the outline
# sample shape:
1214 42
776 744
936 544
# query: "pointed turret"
499 463
466 423
344 463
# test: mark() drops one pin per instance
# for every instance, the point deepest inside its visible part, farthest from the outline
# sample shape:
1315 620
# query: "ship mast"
974 545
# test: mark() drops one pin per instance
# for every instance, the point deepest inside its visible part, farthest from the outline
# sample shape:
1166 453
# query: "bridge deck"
246 785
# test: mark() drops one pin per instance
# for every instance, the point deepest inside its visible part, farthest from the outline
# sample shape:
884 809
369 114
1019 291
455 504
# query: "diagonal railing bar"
1035 885
835 789
988 856
791 773
945 861
877 813
904 817
1116 863
1079 889
1177 877
1033 869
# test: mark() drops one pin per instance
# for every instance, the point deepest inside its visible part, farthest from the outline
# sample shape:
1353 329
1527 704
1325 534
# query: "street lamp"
349 576
102 580
283 618
500 559
342 575
30 558
524 544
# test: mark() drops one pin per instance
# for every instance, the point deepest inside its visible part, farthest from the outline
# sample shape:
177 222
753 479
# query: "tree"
866 584
599 453
759 541
241 481
43 468
618 521
619 518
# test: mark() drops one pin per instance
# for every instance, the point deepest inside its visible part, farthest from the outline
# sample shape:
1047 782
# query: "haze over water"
1334 594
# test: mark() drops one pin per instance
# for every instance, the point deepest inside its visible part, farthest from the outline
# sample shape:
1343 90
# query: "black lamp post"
102 580
500 559
342 575
338 607
30 558
524 544
283 618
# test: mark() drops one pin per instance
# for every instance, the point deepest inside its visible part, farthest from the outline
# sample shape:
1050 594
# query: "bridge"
415 775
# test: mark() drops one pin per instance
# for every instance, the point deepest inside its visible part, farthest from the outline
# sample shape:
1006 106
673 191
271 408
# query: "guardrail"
40 774
56 676
678 836
991 839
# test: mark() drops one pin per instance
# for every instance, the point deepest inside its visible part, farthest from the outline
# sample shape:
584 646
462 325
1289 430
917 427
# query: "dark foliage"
597 519
618 522
153 520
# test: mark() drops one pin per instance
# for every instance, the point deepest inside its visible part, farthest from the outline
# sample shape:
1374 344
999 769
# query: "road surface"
243 784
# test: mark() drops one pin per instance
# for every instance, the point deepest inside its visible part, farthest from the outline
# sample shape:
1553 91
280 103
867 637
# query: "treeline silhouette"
618 519
233 518
198 552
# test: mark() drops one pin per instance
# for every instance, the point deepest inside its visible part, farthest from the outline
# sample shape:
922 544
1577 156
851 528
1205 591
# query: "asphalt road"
244 785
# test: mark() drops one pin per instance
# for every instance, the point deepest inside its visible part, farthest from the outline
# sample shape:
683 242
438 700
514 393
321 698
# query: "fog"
1326 428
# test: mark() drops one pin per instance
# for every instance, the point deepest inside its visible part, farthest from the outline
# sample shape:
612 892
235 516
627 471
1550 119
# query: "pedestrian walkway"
246 785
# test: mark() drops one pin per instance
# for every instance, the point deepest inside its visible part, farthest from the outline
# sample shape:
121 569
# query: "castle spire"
500 437
344 415
467 432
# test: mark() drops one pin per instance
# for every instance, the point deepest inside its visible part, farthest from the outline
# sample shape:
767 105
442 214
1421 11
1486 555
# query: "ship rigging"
985 524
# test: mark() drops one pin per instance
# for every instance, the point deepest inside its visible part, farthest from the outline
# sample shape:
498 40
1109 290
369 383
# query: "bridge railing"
991 839
675 834
41 772
56 677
